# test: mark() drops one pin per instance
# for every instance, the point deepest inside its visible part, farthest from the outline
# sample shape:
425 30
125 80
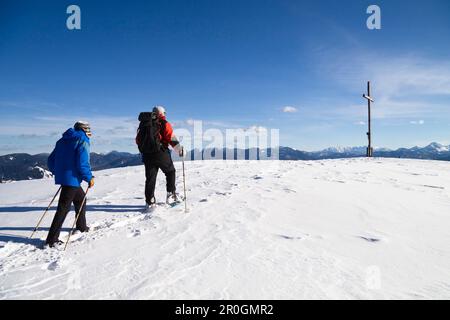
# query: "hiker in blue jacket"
69 163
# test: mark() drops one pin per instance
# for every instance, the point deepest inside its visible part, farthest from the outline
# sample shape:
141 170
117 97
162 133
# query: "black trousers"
68 195
154 161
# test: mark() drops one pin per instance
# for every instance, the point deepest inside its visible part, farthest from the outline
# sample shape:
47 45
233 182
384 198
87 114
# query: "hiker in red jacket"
153 138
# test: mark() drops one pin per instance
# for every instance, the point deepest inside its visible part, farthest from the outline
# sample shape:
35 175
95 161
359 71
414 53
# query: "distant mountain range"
433 151
22 166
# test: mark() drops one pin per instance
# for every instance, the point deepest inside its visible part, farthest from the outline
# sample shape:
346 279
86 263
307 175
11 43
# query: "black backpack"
148 137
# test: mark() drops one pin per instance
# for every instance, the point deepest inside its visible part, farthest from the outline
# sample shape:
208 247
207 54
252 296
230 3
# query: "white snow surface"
331 229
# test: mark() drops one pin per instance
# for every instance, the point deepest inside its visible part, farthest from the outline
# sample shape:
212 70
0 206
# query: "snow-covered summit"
361 150
349 228
437 147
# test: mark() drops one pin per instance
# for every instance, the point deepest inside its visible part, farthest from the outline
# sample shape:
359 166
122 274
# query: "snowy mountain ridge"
22 166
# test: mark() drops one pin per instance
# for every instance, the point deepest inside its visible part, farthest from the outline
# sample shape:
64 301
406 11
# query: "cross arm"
368 98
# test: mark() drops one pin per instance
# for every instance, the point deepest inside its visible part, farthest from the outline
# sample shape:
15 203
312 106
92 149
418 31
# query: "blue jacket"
69 161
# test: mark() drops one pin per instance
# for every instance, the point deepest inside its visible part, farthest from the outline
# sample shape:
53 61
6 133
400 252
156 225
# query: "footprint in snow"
53 266
223 193
283 236
146 216
370 238
433 187
134 233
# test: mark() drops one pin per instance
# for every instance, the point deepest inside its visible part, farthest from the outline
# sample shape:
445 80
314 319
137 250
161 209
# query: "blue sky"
231 64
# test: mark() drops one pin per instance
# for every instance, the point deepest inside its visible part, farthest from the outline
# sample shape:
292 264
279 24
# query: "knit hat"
160 110
83 125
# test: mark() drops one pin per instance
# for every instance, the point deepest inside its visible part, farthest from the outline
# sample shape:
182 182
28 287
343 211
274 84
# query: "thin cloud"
205 123
29 105
406 86
256 129
289 109
190 122
109 132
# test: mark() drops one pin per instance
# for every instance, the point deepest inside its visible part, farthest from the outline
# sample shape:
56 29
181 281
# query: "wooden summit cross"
369 133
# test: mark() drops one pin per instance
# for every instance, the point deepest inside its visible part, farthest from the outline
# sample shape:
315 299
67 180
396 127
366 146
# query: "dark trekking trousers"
68 195
154 161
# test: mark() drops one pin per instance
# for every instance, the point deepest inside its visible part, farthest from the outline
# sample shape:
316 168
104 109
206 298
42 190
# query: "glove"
91 183
178 148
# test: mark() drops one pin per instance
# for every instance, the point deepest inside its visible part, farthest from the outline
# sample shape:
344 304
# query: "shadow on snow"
92 208
20 239
38 242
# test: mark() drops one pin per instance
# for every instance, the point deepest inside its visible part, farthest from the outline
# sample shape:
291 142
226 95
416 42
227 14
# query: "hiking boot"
149 207
55 244
172 198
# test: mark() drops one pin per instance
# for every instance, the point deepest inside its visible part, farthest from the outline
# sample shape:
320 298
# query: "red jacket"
166 134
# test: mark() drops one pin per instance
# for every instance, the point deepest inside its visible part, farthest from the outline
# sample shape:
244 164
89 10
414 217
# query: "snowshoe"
149 208
173 199
55 245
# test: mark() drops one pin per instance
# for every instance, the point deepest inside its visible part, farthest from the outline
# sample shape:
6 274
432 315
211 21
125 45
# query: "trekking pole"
184 184
45 212
76 217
